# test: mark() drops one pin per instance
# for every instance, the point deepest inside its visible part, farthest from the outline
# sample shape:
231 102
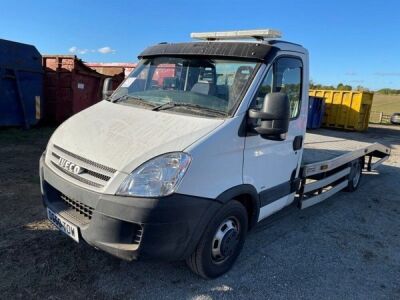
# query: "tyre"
355 174
221 241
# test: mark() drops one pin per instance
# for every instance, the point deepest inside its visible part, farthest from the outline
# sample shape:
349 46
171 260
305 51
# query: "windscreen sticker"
128 82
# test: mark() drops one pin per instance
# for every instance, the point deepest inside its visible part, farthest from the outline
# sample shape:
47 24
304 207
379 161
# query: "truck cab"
200 142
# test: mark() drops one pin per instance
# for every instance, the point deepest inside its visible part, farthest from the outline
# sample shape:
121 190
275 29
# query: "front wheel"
221 242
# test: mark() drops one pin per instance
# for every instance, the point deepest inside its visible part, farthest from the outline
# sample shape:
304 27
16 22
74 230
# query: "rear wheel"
221 242
355 175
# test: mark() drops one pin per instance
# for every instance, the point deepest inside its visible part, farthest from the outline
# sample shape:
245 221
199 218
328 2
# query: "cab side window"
264 89
285 76
288 79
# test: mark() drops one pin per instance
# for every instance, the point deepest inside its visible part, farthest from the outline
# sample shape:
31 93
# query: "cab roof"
246 49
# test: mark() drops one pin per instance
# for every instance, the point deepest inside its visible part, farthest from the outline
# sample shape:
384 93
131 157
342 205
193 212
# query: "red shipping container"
111 69
69 87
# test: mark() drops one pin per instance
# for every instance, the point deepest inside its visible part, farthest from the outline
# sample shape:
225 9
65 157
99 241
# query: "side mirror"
272 122
107 87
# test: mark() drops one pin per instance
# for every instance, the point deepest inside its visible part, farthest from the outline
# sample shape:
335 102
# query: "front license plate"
63 225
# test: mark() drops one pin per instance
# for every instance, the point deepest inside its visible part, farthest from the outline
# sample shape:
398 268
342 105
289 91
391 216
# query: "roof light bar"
259 34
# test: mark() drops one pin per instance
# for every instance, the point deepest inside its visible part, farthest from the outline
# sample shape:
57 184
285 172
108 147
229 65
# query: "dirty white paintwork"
275 206
268 163
217 162
123 137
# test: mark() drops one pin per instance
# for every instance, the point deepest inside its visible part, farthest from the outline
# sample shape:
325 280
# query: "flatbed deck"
319 147
327 162
325 150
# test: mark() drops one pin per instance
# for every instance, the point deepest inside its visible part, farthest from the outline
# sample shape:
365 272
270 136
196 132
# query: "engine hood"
123 137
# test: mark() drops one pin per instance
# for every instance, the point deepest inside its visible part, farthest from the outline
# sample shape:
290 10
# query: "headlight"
157 177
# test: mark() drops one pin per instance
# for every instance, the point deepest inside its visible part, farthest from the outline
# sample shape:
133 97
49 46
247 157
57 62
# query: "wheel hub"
229 243
225 240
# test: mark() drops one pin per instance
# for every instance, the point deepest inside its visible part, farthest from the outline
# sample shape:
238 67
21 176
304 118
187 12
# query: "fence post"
380 117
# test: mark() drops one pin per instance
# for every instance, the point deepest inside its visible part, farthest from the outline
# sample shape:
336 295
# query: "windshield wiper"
173 104
117 99
125 97
139 100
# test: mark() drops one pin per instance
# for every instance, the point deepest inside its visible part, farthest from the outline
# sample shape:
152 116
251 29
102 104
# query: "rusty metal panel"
86 90
111 69
70 86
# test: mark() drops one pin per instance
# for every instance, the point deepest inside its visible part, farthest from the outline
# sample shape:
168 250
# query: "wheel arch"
248 196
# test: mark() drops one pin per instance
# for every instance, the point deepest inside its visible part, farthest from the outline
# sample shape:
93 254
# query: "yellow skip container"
347 110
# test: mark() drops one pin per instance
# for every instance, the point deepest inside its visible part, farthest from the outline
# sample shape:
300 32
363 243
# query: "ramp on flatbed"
326 164
319 147
324 151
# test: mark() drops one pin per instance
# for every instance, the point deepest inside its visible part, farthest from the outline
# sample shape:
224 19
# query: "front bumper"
166 228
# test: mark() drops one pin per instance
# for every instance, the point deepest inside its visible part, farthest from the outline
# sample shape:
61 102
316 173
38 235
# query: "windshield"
212 84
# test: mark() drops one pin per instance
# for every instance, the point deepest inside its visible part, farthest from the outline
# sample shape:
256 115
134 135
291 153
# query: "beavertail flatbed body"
326 163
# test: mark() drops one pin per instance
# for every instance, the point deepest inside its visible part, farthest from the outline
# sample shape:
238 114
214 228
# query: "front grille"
90 162
93 174
81 208
73 210
82 214
98 175
77 177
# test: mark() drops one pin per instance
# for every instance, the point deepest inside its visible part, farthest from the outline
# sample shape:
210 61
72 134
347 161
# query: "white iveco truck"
203 140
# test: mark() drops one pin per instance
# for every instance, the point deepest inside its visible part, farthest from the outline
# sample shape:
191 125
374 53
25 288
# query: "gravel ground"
345 247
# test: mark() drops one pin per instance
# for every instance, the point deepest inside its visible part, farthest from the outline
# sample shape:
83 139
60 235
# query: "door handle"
297 142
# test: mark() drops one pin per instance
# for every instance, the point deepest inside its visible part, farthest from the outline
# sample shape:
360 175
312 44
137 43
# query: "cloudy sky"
354 42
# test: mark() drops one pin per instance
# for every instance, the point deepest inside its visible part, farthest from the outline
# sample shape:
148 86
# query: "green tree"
361 88
387 91
343 87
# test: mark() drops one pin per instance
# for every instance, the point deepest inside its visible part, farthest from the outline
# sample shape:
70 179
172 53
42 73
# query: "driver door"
271 165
